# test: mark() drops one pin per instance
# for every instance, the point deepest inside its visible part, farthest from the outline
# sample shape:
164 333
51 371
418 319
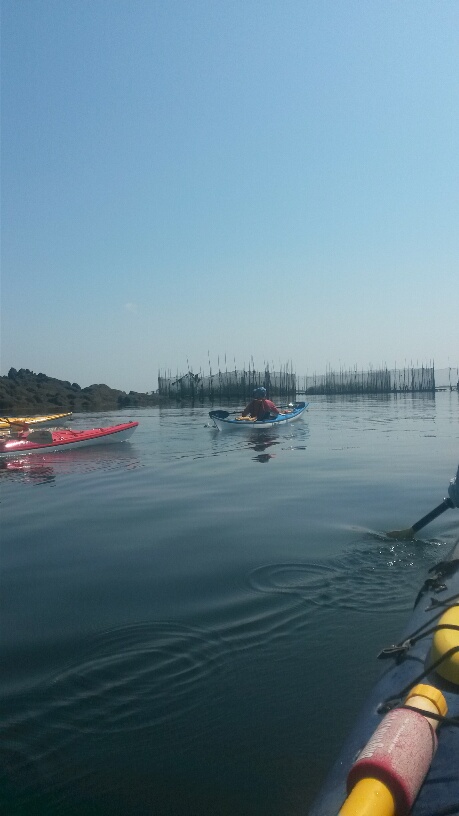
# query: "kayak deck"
409 661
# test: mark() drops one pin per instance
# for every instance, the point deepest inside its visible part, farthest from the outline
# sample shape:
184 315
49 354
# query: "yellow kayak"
5 422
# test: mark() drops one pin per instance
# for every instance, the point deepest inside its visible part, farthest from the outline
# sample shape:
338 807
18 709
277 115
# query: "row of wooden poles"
285 384
228 385
374 381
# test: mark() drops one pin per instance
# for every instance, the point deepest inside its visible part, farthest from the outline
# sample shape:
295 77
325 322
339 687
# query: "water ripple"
150 667
372 579
137 680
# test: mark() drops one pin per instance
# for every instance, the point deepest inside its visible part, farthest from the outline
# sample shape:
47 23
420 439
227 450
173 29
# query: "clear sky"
266 179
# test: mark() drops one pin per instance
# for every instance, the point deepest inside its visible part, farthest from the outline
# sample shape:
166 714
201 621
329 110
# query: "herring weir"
238 384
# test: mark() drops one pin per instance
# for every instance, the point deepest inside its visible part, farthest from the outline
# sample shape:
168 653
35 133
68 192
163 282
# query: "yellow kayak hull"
33 420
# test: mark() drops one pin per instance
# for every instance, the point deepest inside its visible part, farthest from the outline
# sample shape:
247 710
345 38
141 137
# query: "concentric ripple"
138 676
136 679
374 579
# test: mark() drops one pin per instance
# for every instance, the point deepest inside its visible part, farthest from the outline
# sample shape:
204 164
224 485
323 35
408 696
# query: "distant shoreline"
22 392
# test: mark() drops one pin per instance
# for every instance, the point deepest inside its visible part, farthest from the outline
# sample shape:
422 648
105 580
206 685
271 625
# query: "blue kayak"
223 420
426 657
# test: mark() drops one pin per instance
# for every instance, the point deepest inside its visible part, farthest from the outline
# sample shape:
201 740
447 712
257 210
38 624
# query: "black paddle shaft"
437 511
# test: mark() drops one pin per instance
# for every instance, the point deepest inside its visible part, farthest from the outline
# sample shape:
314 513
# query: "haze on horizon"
272 182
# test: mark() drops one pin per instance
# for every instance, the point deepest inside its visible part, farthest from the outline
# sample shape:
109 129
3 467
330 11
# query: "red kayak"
61 439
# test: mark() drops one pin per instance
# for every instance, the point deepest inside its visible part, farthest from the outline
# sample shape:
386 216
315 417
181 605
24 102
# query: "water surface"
190 620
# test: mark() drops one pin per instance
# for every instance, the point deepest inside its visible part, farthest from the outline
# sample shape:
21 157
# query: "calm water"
189 620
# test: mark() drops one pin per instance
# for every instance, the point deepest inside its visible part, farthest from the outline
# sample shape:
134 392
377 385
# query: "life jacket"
262 409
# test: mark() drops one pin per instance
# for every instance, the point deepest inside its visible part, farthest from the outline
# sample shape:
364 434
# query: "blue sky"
189 179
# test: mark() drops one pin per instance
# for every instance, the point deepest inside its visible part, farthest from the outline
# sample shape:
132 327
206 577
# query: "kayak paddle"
410 531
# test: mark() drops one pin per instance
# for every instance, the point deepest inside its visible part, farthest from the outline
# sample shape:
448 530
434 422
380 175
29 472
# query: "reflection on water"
42 468
261 445
26 471
260 442
263 457
287 437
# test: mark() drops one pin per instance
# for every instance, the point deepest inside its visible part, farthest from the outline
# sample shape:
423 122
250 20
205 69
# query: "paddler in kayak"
260 407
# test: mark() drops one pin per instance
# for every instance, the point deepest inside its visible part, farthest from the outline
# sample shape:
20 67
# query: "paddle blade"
410 531
219 414
403 535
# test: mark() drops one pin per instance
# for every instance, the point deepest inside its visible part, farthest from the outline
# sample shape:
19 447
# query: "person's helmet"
260 392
